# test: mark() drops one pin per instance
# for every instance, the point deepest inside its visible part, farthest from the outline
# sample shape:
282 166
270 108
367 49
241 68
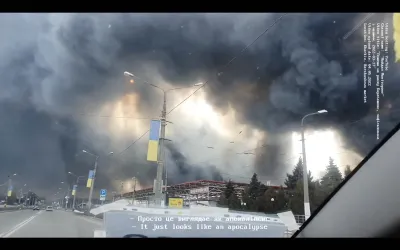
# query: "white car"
49 208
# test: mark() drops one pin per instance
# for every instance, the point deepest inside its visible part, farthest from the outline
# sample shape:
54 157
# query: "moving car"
49 208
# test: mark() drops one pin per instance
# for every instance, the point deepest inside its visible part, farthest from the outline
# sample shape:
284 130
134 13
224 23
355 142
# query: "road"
118 224
59 223
29 223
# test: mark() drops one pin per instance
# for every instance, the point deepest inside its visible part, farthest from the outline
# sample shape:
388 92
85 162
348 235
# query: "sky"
64 91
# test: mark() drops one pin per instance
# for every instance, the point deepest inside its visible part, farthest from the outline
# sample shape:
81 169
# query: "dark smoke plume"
182 171
56 66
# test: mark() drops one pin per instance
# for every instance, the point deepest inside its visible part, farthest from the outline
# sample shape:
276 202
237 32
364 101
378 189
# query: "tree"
222 202
229 198
252 193
296 176
316 196
229 189
331 179
296 199
234 202
273 201
295 195
254 187
347 171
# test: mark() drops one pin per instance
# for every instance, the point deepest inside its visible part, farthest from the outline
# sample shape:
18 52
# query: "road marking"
19 226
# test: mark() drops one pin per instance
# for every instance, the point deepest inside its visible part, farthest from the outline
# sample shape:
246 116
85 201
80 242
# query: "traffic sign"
103 194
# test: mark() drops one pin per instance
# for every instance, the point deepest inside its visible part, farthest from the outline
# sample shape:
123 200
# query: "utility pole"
121 189
91 187
160 166
114 194
20 196
73 201
134 190
9 188
76 190
67 198
158 192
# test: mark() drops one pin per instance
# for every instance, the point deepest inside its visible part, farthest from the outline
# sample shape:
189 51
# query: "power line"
118 117
357 26
133 143
230 62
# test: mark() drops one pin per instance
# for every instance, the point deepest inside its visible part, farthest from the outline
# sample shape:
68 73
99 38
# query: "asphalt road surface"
119 224
58 223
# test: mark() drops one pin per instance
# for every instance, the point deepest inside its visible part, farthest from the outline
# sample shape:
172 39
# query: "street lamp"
161 155
307 210
77 183
94 176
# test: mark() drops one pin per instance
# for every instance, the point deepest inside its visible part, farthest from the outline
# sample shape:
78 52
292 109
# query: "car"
36 208
49 208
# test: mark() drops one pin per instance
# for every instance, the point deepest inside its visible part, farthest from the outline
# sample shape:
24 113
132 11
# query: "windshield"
187 125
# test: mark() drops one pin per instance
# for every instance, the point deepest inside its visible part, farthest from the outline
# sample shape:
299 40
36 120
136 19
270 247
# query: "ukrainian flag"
90 179
152 150
9 191
74 190
396 35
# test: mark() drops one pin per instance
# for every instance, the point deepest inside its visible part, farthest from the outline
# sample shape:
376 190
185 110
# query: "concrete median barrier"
87 213
10 208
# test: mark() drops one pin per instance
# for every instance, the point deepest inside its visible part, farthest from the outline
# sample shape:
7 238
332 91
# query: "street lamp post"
77 183
307 210
21 193
161 155
66 197
94 176
134 190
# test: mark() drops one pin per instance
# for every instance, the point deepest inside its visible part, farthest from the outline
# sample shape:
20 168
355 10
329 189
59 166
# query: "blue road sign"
103 192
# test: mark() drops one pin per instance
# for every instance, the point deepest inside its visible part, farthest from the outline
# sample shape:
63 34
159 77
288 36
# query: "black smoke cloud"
182 171
54 66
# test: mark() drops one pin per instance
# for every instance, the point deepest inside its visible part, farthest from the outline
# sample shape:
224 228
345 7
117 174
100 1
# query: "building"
204 192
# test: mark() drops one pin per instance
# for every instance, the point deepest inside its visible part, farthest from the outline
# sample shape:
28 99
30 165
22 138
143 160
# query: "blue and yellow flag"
9 191
152 150
90 179
396 36
74 190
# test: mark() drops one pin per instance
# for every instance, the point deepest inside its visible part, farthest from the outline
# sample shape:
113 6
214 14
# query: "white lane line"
19 226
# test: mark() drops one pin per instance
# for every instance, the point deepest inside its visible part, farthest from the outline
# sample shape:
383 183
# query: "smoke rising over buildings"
61 72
